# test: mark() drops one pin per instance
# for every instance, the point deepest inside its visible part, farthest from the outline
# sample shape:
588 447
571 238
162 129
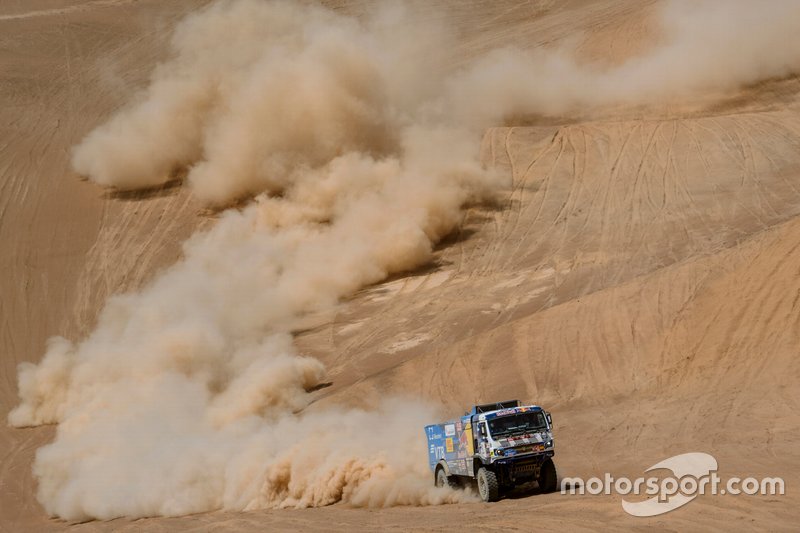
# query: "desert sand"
638 275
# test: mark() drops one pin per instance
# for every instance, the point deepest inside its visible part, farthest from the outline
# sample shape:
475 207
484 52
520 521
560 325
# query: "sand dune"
637 274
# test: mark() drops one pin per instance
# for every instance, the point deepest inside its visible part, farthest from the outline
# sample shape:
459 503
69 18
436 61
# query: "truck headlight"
548 444
499 452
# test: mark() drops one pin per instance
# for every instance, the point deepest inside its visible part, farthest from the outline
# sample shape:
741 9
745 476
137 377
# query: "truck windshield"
506 426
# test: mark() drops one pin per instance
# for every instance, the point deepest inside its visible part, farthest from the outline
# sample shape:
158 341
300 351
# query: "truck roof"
509 411
487 407
489 411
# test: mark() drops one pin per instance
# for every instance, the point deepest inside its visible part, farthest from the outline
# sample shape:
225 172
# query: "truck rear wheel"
443 480
488 487
548 479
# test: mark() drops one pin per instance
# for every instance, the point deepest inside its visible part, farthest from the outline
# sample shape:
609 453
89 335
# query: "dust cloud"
706 47
357 149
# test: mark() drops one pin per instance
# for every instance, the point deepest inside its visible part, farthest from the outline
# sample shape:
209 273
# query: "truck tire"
443 480
488 487
548 479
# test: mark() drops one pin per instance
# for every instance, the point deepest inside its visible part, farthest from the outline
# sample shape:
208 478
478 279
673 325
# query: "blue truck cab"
498 445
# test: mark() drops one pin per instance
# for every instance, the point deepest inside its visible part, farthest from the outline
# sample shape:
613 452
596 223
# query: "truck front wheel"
488 487
548 480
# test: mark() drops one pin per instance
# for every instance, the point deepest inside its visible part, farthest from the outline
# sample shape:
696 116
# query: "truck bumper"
520 469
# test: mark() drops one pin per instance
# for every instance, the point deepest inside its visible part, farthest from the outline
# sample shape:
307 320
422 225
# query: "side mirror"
549 419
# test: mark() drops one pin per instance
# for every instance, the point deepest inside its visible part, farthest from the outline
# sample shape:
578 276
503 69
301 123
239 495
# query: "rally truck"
498 445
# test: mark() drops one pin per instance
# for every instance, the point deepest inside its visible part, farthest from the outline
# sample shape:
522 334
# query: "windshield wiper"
517 431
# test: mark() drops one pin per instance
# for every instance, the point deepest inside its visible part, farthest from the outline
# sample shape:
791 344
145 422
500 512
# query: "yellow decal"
449 444
470 443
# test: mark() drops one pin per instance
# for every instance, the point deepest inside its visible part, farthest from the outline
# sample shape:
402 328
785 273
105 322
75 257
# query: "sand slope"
639 274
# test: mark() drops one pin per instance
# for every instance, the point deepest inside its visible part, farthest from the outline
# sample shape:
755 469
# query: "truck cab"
498 445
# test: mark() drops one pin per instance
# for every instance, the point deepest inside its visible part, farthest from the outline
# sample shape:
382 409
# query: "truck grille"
530 448
525 468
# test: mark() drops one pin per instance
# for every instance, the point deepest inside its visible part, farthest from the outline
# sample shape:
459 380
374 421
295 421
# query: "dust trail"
707 47
183 398
358 148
